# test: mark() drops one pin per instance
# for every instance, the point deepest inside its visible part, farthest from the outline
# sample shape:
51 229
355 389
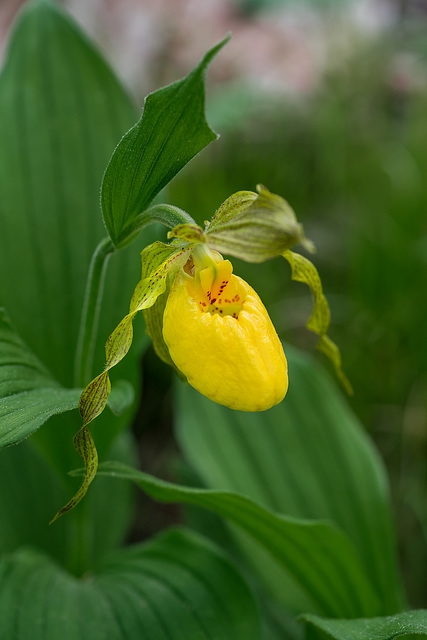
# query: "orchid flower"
206 322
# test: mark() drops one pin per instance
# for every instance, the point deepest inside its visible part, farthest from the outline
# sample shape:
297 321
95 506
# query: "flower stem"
167 214
90 313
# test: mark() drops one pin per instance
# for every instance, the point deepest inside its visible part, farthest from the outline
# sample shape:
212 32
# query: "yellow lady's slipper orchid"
220 336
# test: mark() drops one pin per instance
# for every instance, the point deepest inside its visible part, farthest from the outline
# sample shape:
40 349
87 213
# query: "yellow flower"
220 336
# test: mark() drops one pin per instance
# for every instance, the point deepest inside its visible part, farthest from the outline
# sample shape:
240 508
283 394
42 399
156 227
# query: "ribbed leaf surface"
31 492
28 394
387 628
178 587
308 457
62 112
320 558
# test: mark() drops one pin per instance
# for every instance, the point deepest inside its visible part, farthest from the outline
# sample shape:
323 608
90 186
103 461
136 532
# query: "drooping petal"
229 351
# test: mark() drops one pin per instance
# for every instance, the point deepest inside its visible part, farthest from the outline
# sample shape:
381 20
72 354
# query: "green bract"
171 131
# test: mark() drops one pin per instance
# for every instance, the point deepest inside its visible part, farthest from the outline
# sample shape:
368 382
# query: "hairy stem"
167 214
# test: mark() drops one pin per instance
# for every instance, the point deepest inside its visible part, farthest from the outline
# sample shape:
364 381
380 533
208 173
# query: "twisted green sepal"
159 261
304 271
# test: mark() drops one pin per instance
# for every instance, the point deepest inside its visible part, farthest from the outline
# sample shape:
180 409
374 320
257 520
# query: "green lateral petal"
255 227
153 315
85 446
304 271
154 324
159 261
171 131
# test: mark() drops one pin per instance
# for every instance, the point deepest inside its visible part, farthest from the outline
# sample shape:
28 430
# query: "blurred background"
324 102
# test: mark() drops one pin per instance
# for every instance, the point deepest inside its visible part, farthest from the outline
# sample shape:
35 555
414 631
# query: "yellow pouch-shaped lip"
228 351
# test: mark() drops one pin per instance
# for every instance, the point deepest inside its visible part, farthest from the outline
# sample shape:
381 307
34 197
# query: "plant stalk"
90 313
167 214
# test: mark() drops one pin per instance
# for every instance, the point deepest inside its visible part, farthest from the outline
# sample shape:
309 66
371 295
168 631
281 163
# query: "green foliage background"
291 507
352 162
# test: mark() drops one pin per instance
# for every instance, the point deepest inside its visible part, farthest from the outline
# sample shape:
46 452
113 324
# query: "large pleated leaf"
320 558
177 587
308 458
62 112
31 491
401 625
28 394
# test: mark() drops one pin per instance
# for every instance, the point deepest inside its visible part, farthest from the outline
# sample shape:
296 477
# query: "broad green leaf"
254 227
31 490
387 628
321 559
171 131
304 271
177 587
307 458
61 114
29 395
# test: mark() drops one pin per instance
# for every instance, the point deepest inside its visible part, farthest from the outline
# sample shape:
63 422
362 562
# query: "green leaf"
32 490
387 628
321 558
171 131
307 458
62 112
254 227
29 396
305 271
176 587
121 397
